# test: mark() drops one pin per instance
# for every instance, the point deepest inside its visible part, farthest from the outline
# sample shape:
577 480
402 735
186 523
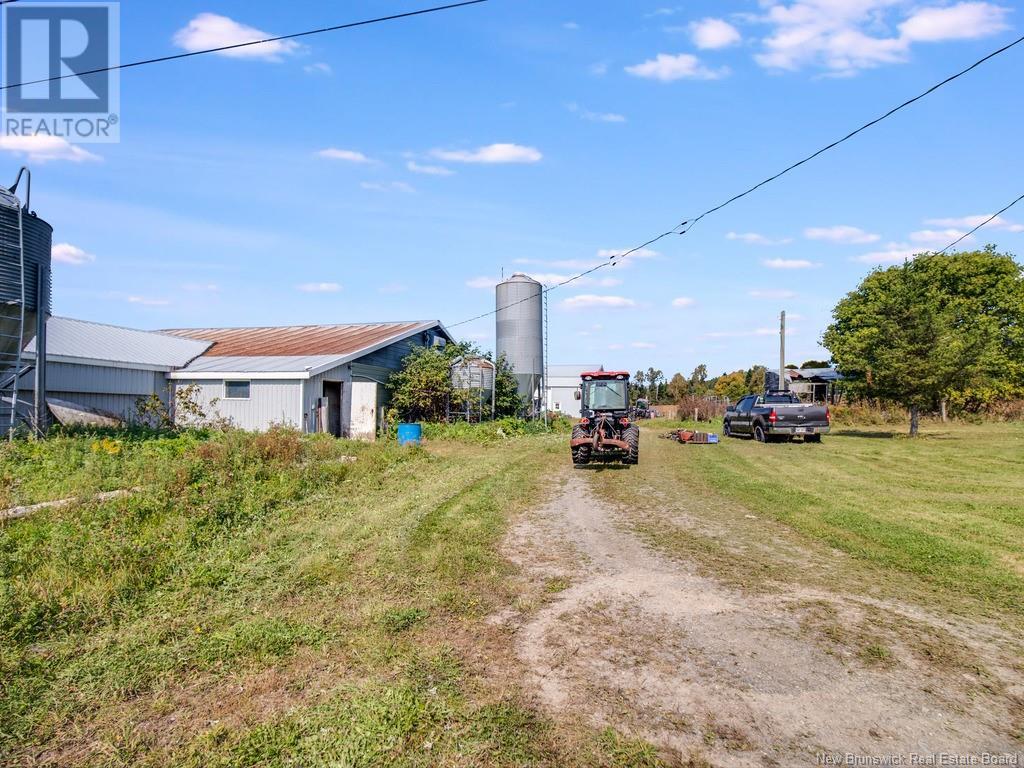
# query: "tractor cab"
604 432
604 392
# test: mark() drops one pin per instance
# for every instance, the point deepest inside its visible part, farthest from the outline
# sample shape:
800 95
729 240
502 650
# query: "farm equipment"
642 409
605 433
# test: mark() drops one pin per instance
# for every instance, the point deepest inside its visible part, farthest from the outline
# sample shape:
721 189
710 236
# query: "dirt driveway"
615 633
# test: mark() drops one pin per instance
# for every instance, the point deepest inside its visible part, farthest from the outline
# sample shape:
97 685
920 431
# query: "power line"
235 46
688 224
990 219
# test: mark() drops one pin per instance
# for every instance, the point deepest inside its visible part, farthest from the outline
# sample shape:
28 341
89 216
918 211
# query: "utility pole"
782 351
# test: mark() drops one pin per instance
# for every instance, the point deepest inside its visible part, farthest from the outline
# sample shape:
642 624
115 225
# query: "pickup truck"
776 416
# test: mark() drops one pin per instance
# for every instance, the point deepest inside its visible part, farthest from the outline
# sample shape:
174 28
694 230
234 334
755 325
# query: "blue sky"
395 171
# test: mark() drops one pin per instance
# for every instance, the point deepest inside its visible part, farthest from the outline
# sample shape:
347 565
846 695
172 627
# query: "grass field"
940 517
263 601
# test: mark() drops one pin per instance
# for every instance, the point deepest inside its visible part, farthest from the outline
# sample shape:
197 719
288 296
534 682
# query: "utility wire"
235 46
991 218
688 224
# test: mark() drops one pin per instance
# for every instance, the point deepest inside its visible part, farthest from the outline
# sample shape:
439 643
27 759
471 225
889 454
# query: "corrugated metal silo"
25 243
520 331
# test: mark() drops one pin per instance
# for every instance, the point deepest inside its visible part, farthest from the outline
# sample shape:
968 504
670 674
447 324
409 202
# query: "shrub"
706 410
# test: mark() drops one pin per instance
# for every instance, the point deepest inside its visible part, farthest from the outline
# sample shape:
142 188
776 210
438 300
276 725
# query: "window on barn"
236 390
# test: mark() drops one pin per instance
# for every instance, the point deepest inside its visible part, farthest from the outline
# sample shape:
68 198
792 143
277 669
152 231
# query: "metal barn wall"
115 390
271 401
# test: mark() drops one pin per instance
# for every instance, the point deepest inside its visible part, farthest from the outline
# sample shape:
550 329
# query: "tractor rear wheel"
631 435
581 453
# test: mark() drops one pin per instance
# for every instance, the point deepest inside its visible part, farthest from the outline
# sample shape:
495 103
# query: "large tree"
931 328
699 380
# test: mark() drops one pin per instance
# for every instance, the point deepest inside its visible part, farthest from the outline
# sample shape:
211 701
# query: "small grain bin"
25 244
473 380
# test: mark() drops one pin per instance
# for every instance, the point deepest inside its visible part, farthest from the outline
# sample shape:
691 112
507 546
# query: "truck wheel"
581 453
632 437
759 434
727 429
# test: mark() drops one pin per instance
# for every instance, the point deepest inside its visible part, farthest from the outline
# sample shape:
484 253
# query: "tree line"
938 332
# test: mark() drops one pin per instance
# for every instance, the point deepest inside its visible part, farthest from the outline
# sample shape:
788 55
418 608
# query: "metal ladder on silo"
12 365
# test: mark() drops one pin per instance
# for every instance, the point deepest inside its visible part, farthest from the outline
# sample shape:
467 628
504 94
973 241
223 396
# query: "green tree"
755 378
507 401
699 380
422 389
814 364
731 385
677 388
639 379
653 377
933 328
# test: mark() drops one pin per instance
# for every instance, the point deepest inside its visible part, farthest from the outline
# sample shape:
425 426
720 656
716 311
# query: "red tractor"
604 432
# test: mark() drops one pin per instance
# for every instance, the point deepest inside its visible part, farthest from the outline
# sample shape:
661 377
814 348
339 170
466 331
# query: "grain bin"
25 242
473 379
520 332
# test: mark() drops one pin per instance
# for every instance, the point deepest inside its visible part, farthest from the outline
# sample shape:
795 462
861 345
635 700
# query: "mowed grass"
263 601
941 515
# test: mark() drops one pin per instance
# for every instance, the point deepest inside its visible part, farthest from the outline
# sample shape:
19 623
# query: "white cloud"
683 301
755 238
937 237
845 36
388 186
482 282
210 30
201 287
595 117
429 170
714 33
893 253
491 154
42 149
147 301
643 345
771 293
963 21
320 287
571 25
319 68
970 222
591 301
841 233
66 253
789 264
345 155
667 67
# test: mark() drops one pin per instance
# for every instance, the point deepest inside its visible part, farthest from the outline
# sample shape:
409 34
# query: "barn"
319 378
563 381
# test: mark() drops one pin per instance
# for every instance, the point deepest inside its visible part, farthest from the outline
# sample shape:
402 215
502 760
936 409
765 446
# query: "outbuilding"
107 368
563 381
319 378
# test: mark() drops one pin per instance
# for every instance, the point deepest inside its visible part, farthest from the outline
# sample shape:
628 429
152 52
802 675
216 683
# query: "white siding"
364 405
563 400
271 401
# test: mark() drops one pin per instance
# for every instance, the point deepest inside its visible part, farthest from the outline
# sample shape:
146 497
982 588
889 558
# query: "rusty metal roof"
301 340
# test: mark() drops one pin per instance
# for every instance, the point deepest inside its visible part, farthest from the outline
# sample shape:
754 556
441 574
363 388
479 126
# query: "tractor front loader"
605 433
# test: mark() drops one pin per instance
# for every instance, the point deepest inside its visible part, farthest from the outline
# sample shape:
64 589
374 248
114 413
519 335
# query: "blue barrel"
410 434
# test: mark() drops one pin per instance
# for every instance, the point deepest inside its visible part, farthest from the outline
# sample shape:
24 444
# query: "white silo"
520 333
